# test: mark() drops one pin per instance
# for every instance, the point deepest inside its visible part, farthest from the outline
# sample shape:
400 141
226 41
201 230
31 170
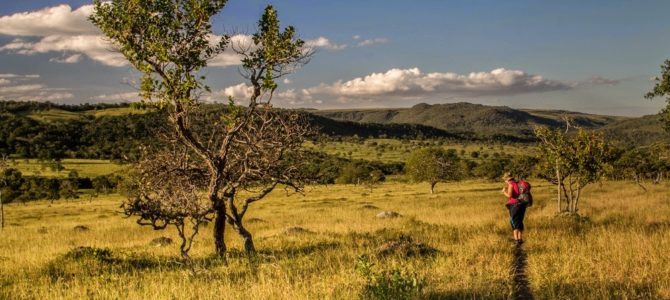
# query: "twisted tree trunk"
246 237
219 229
2 213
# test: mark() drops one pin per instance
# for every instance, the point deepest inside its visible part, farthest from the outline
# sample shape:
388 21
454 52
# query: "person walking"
516 207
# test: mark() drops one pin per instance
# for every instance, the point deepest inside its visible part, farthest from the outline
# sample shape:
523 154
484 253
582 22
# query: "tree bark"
579 192
246 237
559 186
432 187
2 213
219 228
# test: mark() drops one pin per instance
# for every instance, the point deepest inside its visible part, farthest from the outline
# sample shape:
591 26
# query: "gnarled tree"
165 188
170 42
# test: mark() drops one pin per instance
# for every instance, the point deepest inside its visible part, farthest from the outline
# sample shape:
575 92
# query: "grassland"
392 150
57 114
617 249
85 167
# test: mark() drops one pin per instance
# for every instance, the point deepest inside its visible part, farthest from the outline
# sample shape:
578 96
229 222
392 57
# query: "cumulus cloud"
296 97
57 20
325 43
239 92
287 81
21 88
414 82
61 29
370 42
32 92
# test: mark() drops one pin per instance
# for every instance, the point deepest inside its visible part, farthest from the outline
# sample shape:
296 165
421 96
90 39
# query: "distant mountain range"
457 121
485 122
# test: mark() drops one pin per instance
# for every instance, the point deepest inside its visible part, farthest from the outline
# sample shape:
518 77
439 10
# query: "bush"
389 284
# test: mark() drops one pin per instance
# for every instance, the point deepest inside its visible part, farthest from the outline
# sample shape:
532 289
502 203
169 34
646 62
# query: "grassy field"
391 150
616 250
85 167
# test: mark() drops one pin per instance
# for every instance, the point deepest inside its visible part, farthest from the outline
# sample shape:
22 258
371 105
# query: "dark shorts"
516 214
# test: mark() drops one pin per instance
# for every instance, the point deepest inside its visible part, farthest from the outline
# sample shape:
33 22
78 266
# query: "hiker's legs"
517 234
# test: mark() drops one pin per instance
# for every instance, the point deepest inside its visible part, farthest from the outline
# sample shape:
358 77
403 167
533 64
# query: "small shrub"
388 284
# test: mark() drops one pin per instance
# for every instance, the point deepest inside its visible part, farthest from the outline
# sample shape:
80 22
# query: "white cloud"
93 46
61 29
599 80
287 81
325 43
356 37
72 59
240 92
118 97
294 97
57 20
29 76
370 42
415 83
29 91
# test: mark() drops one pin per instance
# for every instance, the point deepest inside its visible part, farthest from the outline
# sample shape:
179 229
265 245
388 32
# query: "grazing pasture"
84 167
455 243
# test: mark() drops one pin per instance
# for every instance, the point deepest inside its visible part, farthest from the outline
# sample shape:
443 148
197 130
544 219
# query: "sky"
589 56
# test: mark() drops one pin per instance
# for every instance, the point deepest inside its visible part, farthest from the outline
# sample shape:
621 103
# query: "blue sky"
591 56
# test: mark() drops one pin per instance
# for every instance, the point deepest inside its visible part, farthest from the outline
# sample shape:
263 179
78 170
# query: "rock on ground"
388 214
161 241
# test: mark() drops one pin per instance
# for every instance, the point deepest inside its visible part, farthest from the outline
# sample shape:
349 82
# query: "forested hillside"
115 131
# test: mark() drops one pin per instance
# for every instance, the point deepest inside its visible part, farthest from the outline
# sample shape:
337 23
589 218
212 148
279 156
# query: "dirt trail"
520 282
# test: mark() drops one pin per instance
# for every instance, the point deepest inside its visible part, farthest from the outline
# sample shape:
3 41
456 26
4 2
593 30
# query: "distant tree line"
16 187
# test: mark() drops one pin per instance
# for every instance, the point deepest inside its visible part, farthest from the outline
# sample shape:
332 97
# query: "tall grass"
616 249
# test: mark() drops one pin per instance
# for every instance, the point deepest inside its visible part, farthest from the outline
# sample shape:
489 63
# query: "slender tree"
170 42
572 162
662 89
3 166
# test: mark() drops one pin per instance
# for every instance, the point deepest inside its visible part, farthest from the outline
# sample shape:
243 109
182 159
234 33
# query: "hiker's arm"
507 191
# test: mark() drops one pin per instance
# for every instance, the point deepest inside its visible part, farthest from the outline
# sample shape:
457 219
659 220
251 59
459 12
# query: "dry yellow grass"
617 250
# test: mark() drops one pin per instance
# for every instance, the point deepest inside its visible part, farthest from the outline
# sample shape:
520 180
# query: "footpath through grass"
617 249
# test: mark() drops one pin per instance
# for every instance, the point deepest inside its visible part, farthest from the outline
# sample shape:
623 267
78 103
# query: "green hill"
498 122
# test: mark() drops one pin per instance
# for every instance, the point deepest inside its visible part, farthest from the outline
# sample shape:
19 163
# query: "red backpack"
525 196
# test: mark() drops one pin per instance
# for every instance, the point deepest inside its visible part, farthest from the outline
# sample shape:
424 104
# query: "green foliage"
15 186
491 169
573 162
355 172
662 89
68 189
168 41
275 50
640 163
433 165
389 284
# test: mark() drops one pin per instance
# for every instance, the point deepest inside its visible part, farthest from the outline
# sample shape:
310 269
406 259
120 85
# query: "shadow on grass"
484 293
520 283
89 261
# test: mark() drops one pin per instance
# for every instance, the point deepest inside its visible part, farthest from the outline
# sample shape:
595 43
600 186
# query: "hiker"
518 198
